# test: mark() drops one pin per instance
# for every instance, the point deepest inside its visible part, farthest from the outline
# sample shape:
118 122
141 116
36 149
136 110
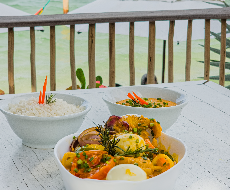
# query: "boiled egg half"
128 172
130 141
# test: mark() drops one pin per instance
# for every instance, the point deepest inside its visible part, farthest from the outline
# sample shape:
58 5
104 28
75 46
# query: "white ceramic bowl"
167 116
164 181
44 132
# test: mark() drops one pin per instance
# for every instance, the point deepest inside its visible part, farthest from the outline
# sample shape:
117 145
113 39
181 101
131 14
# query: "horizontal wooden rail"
92 18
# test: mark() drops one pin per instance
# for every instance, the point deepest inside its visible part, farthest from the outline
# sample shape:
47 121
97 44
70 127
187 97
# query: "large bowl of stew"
86 180
166 104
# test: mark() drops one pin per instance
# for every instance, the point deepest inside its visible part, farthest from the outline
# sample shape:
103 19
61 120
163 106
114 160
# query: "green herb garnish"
78 155
151 124
166 153
109 144
79 161
49 99
88 170
91 159
129 152
76 170
85 165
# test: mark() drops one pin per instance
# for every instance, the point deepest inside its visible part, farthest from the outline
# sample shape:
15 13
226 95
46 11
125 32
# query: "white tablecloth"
204 126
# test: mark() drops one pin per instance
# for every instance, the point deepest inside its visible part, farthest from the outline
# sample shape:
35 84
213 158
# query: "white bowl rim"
117 181
185 101
85 103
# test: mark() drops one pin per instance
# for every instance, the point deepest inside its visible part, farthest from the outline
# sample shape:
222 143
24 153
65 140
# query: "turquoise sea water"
22 53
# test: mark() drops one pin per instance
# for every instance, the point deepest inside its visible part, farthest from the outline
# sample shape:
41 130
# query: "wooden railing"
112 18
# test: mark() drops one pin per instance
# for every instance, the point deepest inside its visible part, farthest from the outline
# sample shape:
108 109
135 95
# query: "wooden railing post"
112 54
207 50
188 51
163 61
170 52
131 54
222 52
151 54
52 59
91 56
32 60
72 57
11 60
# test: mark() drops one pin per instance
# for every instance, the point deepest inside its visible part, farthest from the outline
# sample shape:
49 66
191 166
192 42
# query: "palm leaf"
218 37
217 51
216 63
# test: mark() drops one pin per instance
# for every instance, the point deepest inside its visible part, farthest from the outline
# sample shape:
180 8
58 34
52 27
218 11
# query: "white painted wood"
203 126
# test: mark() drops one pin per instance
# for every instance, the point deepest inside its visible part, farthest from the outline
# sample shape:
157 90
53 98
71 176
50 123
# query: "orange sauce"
155 103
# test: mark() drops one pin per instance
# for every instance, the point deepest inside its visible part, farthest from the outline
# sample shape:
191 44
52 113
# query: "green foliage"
81 77
99 78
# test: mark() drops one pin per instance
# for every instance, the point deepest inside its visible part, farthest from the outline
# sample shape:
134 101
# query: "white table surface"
204 126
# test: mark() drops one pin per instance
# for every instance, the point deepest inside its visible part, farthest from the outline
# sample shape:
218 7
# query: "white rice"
31 107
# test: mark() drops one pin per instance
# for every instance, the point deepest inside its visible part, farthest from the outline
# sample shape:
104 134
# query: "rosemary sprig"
49 99
137 152
109 144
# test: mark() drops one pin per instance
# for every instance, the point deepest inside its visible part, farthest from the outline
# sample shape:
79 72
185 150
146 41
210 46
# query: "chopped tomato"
93 164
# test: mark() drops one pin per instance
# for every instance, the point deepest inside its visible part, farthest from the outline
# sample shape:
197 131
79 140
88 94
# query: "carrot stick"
40 97
130 96
147 141
44 91
161 161
43 95
141 100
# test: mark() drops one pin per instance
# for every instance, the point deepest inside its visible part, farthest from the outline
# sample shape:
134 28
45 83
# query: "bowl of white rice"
43 125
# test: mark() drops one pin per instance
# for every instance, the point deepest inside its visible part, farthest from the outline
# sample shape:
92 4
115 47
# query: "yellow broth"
153 103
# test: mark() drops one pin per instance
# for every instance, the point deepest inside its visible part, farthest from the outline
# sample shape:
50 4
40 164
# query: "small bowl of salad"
164 105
